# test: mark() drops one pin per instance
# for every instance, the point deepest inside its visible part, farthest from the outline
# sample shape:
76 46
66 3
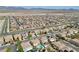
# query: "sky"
39 2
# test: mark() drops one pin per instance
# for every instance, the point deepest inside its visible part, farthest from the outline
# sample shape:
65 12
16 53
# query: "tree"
8 49
29 36
18 44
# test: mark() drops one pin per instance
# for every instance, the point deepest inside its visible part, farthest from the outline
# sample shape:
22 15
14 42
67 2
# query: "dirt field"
25 12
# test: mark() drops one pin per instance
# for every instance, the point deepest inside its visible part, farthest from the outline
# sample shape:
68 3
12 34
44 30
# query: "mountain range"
33 8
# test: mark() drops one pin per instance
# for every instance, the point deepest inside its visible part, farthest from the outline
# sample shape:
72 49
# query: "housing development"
39 31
